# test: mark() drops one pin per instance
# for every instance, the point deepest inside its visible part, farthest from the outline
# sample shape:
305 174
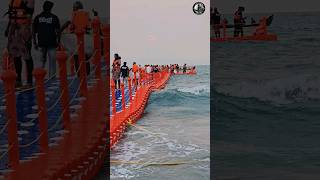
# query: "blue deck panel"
27 116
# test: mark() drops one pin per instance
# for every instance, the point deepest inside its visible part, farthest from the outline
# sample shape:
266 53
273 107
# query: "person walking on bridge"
80 21
125 72
19 36
46 35
116 71
135 70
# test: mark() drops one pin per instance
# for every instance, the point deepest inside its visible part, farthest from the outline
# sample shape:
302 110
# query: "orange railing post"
9 79
113 96
7 64
97 45
82 64
62 58
130 90
123 99
39 75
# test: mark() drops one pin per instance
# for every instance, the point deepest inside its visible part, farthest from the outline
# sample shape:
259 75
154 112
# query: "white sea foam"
280 91
196 90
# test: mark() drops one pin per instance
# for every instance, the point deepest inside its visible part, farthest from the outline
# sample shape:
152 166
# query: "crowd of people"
121 72
217 22
43 32
175 68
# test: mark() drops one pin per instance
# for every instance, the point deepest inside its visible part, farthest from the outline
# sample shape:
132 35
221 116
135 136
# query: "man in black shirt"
46 35
124 72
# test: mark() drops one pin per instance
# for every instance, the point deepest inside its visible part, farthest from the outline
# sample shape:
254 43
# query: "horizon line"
260 12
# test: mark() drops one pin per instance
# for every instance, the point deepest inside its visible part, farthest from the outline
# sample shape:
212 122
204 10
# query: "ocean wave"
176 97
196 90
307 39
279 91
185 92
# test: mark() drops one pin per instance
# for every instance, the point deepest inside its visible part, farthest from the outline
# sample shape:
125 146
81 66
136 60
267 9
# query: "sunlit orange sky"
160 32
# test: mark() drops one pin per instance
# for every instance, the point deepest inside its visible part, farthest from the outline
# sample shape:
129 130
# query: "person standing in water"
46 35
216 22
178 68
238 22
19 36
184 68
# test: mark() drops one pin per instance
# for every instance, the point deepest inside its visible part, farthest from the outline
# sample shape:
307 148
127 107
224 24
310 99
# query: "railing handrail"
95 60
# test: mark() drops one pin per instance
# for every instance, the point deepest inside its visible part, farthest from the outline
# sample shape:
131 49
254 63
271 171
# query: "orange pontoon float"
58 129
132 101
189 72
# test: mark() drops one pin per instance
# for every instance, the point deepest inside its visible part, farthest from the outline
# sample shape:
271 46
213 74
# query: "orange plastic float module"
190 71
66 136
132 108
132 104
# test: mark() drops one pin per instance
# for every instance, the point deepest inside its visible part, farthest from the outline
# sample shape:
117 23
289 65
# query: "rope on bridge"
50 108
64 110
56 102
63 91
46 81
74 96
32 142
6 152
4 127
9 79
8 121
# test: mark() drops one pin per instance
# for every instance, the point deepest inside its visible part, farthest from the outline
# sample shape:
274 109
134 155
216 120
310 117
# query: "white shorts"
69 41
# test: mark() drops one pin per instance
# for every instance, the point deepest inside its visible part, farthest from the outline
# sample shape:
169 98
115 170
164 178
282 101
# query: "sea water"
175 128
267 103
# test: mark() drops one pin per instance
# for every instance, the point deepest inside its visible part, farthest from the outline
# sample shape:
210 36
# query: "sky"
253 6
160 32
